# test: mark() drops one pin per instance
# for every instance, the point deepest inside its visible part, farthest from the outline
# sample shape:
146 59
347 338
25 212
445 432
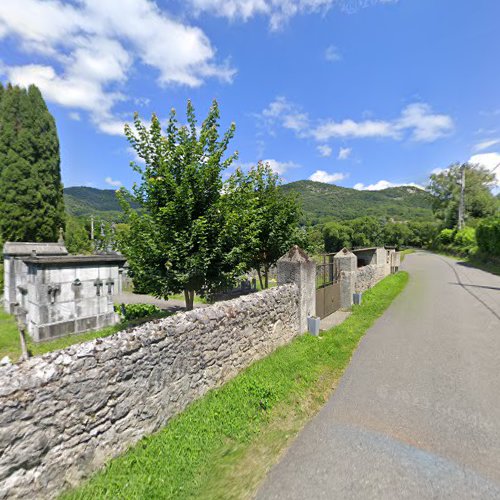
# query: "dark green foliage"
422 234
462 243
325 202
103 204
446 236
134 311
337 235
396 234
360 232
272 216
31 197
445 190
77 237
488 236
369 231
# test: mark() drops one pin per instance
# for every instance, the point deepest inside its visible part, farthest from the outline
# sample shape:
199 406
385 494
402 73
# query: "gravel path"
417 413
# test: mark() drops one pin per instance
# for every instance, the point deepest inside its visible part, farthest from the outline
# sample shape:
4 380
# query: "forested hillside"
84 201
320 202
325 202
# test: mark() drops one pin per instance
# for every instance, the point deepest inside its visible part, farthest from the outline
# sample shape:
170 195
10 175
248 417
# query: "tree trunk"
260 279
266 276
189 298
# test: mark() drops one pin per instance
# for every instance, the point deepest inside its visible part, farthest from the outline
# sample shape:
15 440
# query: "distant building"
58 294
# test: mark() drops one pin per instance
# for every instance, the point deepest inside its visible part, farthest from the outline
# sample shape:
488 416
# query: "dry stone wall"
369 276
64 414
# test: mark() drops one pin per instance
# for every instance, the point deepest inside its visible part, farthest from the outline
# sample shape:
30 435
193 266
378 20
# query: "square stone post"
297 267
346 264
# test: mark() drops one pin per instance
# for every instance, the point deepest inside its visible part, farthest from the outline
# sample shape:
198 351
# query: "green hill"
323 202
84 201
320 202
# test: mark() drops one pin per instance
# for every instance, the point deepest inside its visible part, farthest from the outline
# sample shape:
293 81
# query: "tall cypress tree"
31 195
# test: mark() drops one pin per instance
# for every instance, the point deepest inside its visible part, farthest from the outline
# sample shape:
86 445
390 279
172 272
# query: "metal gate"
327 286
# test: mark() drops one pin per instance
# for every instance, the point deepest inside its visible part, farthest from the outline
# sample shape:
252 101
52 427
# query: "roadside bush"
446 237
465 238
134 311
488 236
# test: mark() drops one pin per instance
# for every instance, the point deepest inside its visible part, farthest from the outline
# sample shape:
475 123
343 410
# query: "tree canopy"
184 238
273 216
31 196
445 189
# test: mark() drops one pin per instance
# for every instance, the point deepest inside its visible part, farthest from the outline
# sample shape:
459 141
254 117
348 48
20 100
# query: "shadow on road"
476 286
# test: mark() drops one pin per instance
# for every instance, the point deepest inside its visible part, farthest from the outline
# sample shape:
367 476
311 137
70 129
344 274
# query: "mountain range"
320 202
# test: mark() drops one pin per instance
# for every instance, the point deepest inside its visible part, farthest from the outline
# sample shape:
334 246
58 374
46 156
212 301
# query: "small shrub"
134 311
446 236
465 238
488 236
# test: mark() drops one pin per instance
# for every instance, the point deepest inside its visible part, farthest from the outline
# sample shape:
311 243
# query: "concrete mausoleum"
58 294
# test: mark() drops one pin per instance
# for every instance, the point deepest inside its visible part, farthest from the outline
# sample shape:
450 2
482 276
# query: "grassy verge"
10 344
223 444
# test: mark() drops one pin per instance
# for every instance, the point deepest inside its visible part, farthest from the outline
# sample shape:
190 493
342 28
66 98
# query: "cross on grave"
110 284
98 284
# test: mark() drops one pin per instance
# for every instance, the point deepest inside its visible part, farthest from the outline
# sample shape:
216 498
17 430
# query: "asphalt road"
417 413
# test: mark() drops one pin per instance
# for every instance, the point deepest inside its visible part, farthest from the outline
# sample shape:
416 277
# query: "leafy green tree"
488 236
184 238
367 231
77 238
337 235
31 195
396 234
273 225
422 234
445 188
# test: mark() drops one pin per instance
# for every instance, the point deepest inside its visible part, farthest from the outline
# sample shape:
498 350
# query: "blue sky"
361 93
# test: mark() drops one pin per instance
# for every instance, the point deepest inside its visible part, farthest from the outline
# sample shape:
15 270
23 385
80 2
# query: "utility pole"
461 205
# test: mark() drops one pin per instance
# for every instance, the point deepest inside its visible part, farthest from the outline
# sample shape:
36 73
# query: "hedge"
488 236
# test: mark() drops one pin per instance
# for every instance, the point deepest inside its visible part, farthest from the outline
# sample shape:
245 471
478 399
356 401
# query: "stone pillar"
346 264
297 267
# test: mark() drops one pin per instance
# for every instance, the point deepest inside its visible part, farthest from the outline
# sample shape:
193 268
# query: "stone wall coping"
20 248
63 260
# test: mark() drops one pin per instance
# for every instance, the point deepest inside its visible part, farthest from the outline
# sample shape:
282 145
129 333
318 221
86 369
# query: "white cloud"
280 167
344 153
325 150
417 122
382 184
481 146
322 176
75 116
490 161
89 49
113 183
355 130
278 11
425 125
332 54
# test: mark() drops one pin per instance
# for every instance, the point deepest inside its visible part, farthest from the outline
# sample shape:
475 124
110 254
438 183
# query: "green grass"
223 444
180 296
9 336
10 342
